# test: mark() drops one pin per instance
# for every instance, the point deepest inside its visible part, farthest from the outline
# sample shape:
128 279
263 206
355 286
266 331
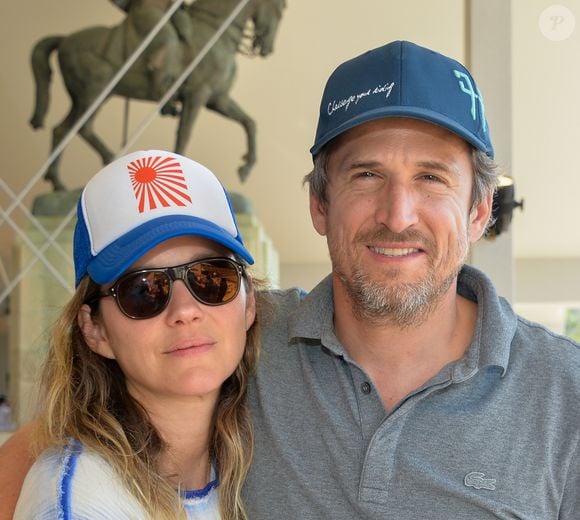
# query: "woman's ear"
250 302
94 333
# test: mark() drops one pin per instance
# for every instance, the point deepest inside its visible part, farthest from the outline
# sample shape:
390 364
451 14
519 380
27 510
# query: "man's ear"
479 217
94 333
318 214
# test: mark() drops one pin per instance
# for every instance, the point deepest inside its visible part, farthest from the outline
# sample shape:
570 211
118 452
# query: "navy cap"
402 79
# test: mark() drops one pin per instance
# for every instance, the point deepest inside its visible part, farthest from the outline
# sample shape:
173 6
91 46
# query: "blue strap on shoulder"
69 463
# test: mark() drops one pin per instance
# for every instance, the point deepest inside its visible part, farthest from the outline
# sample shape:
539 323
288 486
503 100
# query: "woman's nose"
183 307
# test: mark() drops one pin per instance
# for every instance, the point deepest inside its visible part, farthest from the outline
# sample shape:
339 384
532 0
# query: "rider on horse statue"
90 58
162 55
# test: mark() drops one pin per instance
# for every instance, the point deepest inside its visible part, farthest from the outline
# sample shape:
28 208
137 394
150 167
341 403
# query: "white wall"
490 61
282 93
546 133
546 136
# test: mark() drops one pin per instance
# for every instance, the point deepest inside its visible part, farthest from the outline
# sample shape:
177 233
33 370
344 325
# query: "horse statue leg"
42 71
58 133
88 134
191 103
39 61
84 75
223 104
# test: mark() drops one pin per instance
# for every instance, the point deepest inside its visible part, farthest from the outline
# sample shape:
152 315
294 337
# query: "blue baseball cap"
143 199
402 79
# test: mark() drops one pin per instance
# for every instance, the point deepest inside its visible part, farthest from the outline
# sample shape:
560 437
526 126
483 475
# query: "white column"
35 304
488 44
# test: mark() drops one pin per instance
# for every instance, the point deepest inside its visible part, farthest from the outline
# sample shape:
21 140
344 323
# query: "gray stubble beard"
404 305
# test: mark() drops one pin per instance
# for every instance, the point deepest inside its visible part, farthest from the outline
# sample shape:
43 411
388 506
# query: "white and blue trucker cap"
402 79
143 199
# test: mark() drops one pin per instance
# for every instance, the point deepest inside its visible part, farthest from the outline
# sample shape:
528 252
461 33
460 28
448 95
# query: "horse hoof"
57 185
244 172
35 123
170 109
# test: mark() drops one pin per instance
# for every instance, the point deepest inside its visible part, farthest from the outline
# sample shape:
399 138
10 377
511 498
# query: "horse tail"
40 63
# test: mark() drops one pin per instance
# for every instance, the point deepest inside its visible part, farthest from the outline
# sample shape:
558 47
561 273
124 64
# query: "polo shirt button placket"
365 388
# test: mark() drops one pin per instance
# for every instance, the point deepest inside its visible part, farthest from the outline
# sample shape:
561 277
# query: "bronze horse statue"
90 58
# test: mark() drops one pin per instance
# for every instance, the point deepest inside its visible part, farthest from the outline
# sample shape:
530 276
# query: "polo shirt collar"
495 327
314 318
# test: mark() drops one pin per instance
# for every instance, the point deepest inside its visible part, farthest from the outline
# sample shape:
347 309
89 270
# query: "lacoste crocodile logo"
477 480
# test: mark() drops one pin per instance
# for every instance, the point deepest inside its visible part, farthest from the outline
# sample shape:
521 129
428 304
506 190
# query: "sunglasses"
145 293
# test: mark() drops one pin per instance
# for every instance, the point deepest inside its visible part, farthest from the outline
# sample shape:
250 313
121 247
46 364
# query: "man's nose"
397 207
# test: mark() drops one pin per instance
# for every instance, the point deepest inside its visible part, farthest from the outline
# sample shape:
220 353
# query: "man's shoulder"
275 308
283 295
276 304
554 355
536 333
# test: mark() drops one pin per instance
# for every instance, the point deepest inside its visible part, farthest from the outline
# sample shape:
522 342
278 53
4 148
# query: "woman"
143 391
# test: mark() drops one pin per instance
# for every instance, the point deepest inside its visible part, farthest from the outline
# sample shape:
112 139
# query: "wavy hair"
84 396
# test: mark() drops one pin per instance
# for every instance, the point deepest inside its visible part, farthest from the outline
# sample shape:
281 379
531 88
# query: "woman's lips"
192 346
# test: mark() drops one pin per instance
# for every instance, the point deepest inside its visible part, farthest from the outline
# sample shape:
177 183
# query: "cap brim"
116 258
398 111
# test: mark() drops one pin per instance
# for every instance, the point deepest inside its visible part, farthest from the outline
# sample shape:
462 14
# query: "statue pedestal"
35 304
56 203
38 299
266 260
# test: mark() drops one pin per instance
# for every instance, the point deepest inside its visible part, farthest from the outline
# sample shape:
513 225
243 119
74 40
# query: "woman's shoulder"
72 482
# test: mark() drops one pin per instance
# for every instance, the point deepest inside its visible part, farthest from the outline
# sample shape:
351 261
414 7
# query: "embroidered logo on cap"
158 182
467 87
345 103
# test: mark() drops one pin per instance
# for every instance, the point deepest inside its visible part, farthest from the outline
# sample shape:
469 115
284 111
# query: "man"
402 386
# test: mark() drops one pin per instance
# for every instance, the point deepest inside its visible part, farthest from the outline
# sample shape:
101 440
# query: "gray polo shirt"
493 435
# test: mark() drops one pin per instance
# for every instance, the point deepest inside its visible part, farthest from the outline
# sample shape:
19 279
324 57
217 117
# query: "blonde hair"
84 397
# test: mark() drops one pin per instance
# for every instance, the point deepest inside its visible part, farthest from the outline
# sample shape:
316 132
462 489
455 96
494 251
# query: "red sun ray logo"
158 182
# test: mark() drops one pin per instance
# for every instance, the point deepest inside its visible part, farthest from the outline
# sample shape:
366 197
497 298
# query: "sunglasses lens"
144 295
214 282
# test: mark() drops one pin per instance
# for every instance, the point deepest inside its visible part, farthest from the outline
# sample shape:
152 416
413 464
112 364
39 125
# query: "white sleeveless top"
77 484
